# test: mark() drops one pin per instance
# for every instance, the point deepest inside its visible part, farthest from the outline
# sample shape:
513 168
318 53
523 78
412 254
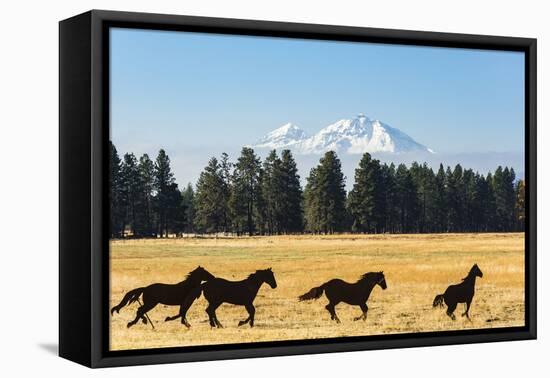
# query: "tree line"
254 197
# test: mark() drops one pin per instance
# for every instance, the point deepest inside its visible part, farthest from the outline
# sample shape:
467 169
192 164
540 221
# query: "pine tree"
390 197
407 199
225 190
115 194
312 207
291 208
246 190
272 192
131 181
429 206
480 214
175 211
146 216
188 203
505 198
471 206
327 196
210 201
520 205
455 198
491 221
366 202
440 201
425 182
164 178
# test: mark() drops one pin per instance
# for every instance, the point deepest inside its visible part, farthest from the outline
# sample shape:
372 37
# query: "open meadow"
416 267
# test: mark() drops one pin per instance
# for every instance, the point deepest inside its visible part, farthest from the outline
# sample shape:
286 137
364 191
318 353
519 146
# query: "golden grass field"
417 267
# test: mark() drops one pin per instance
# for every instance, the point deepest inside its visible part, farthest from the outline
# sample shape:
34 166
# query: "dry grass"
417 267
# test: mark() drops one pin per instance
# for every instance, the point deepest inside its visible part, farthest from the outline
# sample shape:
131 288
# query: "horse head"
476 271
382 281
268 277
202 273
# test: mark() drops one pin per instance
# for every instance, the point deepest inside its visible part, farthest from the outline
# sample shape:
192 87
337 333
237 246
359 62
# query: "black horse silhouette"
219 290
460 293
356 293
167 294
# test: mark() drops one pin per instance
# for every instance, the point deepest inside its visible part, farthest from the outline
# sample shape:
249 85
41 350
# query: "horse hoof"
144 321
167 319
129 325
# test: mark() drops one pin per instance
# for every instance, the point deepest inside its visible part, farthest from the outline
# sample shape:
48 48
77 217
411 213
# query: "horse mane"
255 274
190 274
258 272
469 273
367 276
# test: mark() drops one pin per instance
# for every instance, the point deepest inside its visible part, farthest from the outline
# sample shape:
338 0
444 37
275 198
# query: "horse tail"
130 297
438 300
314 293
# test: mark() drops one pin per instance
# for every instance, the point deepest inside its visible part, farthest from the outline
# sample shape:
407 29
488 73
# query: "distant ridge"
352 136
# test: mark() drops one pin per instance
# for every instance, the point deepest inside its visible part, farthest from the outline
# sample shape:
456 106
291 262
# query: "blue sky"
188 91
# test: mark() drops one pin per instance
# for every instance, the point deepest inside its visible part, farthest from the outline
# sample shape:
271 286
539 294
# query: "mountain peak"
287 127
284 136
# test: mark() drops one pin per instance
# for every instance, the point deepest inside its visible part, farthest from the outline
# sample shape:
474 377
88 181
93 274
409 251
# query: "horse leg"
243 322
331 308
214 317
251 310
450 309
336 317
170 318
364 308
210 316
140 313
183 315
217 321
467 310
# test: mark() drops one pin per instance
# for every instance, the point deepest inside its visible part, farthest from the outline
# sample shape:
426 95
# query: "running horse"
166 294
219 290
459 293
338 290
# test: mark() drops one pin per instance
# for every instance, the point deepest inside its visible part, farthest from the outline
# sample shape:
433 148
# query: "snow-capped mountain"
352 136
285 136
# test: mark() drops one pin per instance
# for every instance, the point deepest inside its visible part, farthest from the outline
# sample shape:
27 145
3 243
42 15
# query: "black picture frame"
83 178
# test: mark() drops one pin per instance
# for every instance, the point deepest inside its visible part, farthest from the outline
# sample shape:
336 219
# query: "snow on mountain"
285 136
352 136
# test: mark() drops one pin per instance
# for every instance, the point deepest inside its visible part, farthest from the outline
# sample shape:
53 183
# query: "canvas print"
271 189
